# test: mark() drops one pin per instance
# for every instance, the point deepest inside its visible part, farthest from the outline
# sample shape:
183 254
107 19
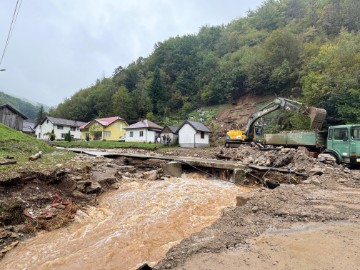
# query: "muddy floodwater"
137 223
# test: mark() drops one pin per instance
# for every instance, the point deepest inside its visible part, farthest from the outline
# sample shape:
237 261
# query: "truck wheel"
227 145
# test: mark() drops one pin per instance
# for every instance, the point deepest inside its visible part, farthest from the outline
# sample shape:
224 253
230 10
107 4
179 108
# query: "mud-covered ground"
328 196
312 193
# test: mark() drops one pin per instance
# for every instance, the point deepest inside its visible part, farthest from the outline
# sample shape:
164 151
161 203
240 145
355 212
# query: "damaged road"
309 192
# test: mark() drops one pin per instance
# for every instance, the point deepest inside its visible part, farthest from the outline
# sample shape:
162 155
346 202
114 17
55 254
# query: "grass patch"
205 114
108 144
19 146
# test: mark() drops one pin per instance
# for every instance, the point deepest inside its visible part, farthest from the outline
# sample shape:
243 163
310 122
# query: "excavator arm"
317 115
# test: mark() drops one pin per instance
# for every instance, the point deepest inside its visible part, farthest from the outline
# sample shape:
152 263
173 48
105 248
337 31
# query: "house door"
97 135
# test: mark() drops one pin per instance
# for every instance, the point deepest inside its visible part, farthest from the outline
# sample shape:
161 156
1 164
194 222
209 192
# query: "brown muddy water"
137 223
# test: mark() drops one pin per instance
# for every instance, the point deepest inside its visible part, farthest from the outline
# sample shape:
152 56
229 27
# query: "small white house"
169 135
60 127
193 134
143 131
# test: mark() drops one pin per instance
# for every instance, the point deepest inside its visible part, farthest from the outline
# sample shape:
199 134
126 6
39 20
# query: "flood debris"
45 200
8 162
36 156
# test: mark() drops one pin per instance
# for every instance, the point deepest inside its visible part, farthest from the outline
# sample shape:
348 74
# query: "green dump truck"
342 142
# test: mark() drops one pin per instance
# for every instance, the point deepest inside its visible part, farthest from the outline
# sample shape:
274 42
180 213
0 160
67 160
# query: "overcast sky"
61 46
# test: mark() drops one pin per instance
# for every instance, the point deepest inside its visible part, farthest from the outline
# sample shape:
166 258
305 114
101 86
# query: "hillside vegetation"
304 49
26 108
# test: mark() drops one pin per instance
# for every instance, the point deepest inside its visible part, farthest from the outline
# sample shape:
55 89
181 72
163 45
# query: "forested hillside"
304 49
26 108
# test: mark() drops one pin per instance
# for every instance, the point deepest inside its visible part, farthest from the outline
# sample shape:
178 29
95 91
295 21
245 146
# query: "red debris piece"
66 202
26 213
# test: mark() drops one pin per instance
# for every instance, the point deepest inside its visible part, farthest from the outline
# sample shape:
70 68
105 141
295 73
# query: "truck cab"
343 142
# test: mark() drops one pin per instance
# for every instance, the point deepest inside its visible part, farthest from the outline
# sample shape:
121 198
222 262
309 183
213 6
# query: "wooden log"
8 162
36 156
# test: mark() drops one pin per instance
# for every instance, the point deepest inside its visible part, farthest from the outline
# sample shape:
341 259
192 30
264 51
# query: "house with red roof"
143 131
104 129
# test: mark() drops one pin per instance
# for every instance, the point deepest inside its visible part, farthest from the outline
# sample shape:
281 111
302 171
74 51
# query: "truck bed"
310 139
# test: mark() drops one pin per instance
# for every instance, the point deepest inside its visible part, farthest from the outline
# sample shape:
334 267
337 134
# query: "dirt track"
318 246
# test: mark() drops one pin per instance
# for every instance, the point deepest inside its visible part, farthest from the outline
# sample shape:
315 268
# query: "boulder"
172 168
327 158
151 175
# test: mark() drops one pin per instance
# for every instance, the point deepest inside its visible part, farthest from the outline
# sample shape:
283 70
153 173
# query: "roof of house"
108 121
84 125
28 127
104 121
13 110
173 129
145 124
63 122
196 125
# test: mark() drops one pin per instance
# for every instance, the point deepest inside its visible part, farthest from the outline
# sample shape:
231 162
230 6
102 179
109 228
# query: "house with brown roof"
169 135
143 131
60 127
11 117
193 134
106 129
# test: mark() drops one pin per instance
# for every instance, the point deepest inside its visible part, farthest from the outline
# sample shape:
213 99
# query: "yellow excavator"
252 132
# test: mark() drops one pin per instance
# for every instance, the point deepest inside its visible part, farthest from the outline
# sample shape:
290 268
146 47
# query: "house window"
141 133
47 121
202 134
60 127
107 134
121 127
72 128
63 135
131 134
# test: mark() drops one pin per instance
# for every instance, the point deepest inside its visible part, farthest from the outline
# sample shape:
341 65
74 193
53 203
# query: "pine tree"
156 92
40 115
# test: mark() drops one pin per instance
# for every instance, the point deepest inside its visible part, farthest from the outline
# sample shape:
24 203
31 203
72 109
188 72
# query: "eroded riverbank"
137 223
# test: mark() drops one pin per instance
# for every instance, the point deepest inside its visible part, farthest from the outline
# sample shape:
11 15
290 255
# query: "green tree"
68 137
122 104
40 115
156 92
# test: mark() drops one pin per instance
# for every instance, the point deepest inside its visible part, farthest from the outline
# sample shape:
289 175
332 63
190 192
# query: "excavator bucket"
317 117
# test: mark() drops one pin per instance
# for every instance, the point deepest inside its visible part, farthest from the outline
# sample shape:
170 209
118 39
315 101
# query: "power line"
12 26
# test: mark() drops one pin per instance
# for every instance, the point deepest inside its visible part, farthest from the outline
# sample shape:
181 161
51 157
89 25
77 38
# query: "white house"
193 134
60 127
172 133
142 131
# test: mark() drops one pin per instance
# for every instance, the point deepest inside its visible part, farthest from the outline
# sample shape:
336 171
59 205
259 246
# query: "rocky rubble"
34 201
328 193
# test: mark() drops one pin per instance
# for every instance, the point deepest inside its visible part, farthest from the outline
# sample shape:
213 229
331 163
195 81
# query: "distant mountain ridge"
25 107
